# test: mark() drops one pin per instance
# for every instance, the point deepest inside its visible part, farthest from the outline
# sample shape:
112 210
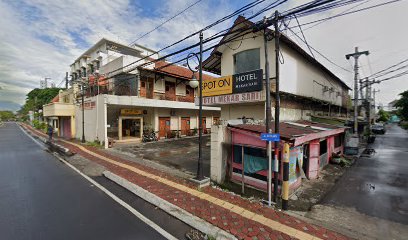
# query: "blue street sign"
271 137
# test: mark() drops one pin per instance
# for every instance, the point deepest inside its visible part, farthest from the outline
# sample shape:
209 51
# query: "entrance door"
66 128
185 125
131 128
146 87
170 93
164 126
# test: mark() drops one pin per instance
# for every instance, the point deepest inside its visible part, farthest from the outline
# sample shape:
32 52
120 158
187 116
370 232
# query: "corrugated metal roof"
289 130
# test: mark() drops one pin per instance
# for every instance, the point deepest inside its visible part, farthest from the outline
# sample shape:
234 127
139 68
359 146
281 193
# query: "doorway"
170 93
305 163
185 126
130 128
164 126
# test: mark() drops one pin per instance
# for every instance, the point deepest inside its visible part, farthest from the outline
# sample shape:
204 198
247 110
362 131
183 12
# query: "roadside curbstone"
170 208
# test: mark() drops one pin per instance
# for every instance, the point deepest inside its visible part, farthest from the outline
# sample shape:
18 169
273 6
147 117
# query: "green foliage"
383 116
36 98
402 105
6 115
40 125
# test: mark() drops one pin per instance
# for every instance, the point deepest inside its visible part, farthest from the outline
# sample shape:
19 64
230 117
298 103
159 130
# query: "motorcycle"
149 137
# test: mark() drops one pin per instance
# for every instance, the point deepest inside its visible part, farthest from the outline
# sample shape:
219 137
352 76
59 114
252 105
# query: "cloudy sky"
41 38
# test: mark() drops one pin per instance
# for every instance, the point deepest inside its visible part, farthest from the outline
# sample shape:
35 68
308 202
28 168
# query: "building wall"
95 120
297 75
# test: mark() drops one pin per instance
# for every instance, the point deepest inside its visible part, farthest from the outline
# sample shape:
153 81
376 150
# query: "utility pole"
83 113
367 97
268 114
66 80
356 55
375 109
200 174
277 107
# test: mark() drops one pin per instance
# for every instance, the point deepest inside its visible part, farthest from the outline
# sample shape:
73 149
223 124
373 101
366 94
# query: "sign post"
270 137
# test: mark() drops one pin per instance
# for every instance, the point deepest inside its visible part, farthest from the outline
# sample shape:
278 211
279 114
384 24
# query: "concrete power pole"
66 80
375 109
356 55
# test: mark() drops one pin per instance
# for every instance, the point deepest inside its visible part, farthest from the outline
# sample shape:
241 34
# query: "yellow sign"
217 86
130 111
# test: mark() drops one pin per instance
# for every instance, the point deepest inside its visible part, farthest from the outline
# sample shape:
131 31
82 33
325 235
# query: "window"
98 64
187 91
247 60
143 84
167 88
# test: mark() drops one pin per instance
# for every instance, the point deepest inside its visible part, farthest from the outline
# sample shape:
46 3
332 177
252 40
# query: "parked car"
378 128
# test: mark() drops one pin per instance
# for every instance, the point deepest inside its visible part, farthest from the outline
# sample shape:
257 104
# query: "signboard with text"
247 81
270 137
130 111
237 88
238 83
232 98
217 86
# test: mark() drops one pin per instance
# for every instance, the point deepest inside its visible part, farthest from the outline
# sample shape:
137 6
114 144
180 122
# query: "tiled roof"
176 71
55 99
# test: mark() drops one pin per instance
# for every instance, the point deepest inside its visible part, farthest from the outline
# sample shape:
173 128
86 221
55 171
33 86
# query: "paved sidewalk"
240 217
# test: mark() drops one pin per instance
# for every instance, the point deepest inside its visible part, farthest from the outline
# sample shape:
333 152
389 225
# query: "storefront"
311 148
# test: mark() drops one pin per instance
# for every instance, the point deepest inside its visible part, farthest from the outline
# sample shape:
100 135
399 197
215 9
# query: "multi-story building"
127 94
307 88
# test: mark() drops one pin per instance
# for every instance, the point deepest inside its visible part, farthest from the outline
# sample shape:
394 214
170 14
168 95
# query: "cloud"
41 38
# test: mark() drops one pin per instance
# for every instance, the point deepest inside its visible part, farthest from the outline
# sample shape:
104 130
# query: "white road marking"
111 195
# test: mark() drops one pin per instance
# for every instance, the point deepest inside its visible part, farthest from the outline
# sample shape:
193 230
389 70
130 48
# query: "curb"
170 208
52 145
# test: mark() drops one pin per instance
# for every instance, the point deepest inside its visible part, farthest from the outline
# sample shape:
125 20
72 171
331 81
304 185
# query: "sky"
41 38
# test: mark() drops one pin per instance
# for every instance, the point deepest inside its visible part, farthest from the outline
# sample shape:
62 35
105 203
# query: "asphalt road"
41 198
378 186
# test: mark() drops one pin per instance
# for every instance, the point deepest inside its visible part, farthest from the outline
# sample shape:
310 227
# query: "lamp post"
194 84
83 114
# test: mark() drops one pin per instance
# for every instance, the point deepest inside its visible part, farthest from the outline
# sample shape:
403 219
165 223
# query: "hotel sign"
232 98
218 86
237 83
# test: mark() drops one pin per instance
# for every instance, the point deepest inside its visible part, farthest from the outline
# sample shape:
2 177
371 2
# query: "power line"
347 13
382 71
168 20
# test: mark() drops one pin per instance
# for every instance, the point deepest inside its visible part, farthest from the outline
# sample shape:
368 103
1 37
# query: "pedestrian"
50 131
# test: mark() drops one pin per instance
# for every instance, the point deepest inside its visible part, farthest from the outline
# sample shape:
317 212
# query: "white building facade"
127 95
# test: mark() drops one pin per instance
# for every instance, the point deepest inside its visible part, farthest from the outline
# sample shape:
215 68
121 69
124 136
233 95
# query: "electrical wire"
168 20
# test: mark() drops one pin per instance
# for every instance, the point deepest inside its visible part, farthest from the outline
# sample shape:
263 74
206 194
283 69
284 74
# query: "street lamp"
194 84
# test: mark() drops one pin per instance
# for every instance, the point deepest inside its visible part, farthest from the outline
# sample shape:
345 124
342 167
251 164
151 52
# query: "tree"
383 116
36 98
402 105
6 115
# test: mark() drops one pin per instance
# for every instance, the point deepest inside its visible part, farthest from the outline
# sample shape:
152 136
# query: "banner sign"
129 111
217 86
238 83
232 98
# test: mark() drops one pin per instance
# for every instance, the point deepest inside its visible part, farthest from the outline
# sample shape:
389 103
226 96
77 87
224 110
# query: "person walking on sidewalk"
50 131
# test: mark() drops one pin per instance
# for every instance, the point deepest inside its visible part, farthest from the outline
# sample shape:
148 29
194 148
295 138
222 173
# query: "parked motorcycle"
149 137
